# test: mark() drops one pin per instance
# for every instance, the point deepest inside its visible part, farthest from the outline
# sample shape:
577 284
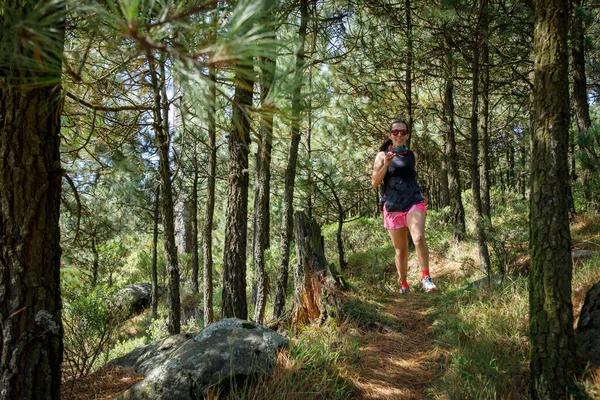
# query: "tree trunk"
210 198
550 308
262 219
484 257
409 68
510 161
95 263
155 254
168 220
455 190
522 174
444 189
234 258
580 93
310 196
290 172
31 344
338 236
194 225
315 290
484 168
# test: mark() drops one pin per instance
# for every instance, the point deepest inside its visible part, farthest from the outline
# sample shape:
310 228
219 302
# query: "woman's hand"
388 158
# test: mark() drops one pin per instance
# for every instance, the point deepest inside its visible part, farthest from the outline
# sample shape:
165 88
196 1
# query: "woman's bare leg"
416 225
400 242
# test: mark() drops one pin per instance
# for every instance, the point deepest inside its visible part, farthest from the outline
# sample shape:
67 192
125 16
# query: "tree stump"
317 294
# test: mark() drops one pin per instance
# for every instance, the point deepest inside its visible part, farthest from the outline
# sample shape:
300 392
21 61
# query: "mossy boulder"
134 298
183 367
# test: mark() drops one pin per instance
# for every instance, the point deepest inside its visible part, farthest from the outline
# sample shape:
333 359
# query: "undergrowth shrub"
369 254
359 236
90 321
158 329
437 230
123 347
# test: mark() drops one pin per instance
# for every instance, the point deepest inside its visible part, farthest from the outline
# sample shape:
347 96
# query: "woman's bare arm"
380 166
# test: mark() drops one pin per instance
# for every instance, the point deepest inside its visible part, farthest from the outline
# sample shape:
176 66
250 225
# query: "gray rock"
134 298
184 366
580 255
496 280
587 335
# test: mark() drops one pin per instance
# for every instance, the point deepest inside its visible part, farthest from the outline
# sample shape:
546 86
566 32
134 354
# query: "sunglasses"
401 132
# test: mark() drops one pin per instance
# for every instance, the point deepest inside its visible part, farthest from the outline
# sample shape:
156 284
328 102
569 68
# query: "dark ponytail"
385 145
388 141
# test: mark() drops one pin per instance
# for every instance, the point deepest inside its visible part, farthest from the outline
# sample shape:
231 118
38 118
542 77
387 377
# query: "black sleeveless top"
400 188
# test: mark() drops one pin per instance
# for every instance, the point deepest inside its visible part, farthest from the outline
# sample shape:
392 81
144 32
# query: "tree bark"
210 198
312 291
194 225
522 174
95 262
31 335
455 190
581 106
444 189
168 219
236 231
580 93
338 236
290 172
155 254
262 219
550 309
484 257
484 168
409 68
310 196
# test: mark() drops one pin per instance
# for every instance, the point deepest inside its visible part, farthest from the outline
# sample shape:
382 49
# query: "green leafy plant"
158 329
90 321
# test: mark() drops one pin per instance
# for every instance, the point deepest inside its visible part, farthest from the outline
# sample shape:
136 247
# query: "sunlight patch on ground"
104 384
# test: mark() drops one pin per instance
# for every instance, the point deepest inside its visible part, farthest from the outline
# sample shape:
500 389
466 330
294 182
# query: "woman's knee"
419 239
401 252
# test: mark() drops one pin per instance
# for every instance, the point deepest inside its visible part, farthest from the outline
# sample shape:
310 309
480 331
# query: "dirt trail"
399 365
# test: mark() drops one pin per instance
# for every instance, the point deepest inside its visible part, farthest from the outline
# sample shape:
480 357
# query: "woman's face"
398 134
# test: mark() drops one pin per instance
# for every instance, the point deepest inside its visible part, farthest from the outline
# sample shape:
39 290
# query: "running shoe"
428 285
404 290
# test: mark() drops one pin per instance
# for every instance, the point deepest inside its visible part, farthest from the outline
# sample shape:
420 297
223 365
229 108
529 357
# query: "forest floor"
399 364
400 353
402 363
398 361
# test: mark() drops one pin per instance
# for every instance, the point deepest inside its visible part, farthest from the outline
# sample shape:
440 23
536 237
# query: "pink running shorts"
397 220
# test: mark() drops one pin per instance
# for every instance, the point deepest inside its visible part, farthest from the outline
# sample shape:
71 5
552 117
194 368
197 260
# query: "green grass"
484 338
484 333
316 366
